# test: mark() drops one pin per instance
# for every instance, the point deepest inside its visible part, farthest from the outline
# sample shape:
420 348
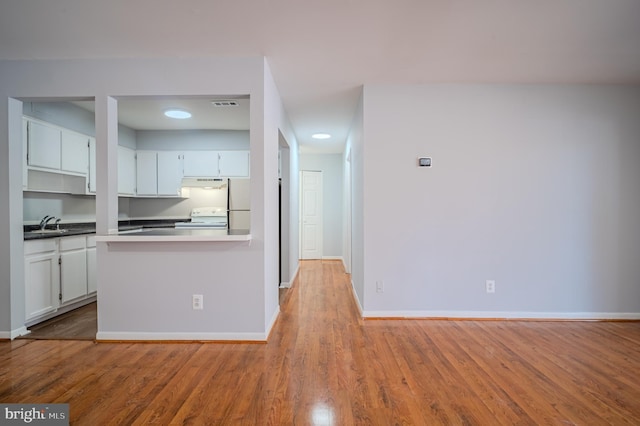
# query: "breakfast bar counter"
176 235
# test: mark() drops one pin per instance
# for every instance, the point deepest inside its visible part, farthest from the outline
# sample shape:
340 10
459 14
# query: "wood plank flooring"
323 365
79 324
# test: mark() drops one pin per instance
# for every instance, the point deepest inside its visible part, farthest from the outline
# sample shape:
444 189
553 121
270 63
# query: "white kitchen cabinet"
25 148
74 152
146 173
42 277
158 173
169 173
200 164
73 268
44 143
233 164
216 164
91 185
92 277
126 171
58 272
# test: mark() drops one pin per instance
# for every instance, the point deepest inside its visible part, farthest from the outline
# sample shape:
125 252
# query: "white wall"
535 187
355 145
100 79
12 309
332 193
273 118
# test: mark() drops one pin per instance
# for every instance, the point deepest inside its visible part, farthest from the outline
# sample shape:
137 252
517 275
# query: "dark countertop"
71 229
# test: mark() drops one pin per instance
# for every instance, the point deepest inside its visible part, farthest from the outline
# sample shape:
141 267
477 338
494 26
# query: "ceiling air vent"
223 104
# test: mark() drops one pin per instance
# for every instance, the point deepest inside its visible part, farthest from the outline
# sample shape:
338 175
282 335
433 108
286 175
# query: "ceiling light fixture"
321 136
177 113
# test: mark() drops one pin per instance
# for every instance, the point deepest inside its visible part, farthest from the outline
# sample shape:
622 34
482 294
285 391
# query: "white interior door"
311 215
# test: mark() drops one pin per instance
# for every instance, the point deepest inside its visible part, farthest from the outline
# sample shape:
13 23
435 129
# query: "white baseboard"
187 336
293 278
355 297
503 315
10 335
333 258
274 318
344 265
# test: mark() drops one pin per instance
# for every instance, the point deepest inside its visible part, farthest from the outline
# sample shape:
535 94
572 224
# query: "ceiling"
322 52
206 112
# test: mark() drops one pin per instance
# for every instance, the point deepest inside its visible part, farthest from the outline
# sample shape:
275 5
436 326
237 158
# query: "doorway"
311 214
284 216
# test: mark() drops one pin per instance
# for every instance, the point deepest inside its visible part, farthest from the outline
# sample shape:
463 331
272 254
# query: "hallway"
324 365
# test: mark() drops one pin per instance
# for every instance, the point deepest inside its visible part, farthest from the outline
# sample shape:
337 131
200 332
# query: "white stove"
206 218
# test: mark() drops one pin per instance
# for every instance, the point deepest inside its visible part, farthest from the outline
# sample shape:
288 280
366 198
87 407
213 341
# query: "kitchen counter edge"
176 236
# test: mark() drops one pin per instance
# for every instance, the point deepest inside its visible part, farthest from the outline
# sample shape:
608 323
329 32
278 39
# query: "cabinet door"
234 163
41 284
25 147
92 166
92 277
73 274
74 152
200 163
169 173
44 145
146 173
126 171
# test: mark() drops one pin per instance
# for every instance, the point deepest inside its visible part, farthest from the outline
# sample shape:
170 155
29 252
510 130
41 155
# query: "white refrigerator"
239 204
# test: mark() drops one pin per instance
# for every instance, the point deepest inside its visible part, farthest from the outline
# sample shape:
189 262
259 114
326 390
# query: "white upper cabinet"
233 163
53 149
169 173
159 173
126 171
75 152
44 145
216 164
91 185
200 164
146 173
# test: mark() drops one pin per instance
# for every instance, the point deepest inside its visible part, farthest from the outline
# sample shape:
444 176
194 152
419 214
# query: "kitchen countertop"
177 235
71 229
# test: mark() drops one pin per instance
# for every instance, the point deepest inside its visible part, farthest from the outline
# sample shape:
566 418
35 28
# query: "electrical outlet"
379 286
198 302
491 286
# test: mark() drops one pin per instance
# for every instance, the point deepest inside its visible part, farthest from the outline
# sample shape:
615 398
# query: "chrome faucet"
45 220
58 223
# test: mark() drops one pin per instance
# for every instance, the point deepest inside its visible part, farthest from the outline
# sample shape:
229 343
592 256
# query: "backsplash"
82 208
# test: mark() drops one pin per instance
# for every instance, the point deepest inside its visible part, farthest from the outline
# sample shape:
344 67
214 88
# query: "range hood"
204 182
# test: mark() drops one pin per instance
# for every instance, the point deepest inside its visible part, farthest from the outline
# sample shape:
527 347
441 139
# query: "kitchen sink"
48 231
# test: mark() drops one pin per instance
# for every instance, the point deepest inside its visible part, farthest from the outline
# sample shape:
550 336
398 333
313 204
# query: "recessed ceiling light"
177 113
321 136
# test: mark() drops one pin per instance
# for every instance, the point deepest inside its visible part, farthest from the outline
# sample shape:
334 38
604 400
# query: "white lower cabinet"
41 277
73 268
58 272
92 277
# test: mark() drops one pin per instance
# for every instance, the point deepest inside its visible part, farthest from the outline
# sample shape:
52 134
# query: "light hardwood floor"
324 365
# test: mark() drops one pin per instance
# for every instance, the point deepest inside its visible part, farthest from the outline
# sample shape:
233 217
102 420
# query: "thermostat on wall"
424 161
